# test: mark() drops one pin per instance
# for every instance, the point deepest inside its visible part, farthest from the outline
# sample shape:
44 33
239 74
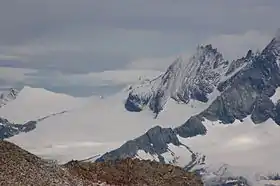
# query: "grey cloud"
82 36
22 21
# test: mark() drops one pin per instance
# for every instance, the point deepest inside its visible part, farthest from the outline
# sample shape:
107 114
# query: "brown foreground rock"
21 168
134 172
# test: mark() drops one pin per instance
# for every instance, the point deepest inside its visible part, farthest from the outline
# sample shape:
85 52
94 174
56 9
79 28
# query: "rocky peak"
207 55
194 78
273 48
238 64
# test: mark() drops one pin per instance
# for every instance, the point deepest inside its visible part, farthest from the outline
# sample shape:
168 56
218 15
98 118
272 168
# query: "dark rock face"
156 140
131 101
277 113
263 110
248 92
235 103
8 129
240 62
191 128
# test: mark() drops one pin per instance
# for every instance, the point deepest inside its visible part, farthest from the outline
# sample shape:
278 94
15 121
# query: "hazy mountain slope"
35 103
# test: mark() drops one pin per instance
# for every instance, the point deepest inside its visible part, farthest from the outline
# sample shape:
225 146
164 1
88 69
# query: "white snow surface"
146 156
242 148
92 125
35 103
241 144
177 155
246 148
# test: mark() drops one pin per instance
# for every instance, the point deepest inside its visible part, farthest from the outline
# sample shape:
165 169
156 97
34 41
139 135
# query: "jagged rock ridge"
184 80
248 92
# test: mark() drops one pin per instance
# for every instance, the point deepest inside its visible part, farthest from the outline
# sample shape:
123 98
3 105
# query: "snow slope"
35 103
91 126
242 144
243 148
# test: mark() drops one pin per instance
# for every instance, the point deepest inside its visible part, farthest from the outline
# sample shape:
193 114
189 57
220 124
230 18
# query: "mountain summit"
185 80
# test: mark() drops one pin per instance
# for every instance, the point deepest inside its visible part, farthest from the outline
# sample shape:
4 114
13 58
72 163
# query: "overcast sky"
49 43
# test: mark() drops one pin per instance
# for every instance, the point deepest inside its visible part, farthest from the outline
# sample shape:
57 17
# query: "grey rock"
8 129
240 62
263 110
276 113
155 141
191 128
247 92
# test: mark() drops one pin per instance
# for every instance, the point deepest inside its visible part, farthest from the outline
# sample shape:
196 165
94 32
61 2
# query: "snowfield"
36 103
93 126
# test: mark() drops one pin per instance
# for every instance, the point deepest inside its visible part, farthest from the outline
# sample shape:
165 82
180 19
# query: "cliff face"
19 167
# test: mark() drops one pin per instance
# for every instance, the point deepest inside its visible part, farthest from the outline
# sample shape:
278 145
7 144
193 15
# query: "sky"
90 47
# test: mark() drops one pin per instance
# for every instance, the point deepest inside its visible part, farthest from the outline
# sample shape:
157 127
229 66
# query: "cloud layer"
81 37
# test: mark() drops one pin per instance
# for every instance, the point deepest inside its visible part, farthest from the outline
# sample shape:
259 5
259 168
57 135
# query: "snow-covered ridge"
32 104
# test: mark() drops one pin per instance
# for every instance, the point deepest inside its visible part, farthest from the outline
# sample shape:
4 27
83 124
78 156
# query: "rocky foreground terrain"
19 167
